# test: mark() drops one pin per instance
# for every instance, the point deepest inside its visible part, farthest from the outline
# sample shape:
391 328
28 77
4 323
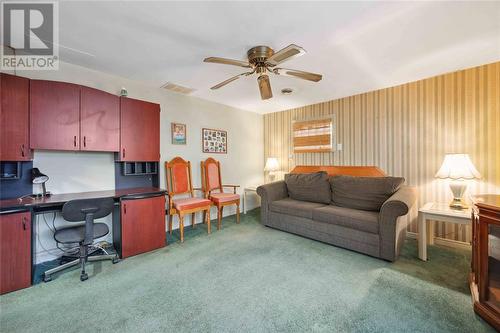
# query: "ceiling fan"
263 59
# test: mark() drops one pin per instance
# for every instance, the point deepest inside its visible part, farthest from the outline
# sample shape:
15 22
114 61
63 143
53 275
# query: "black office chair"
83 233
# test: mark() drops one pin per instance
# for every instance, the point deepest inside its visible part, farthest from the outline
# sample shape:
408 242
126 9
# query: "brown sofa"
364 214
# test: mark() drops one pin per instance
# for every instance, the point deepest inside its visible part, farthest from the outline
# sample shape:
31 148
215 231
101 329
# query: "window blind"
313 136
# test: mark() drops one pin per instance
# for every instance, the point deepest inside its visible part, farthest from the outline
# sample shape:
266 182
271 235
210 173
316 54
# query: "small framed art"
178 134
214 141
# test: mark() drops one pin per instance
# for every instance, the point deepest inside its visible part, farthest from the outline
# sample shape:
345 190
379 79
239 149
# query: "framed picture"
214 141
178 134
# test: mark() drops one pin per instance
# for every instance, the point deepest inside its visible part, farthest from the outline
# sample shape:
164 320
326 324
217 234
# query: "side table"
437 212
246 190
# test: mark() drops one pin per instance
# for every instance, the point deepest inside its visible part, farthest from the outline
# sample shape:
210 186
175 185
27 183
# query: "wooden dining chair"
214 189
178 174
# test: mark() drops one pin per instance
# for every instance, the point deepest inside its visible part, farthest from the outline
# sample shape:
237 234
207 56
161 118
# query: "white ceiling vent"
177 88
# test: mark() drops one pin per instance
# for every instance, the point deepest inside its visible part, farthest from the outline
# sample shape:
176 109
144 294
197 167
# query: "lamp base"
458 204
458 189
40 195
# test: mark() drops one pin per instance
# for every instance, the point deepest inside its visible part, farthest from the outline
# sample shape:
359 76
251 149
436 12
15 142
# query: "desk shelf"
10 170
140 168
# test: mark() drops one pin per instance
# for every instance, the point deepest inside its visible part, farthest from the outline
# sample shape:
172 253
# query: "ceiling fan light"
264 86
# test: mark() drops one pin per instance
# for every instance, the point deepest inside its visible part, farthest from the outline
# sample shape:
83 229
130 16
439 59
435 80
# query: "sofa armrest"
392 221
269 193
273 191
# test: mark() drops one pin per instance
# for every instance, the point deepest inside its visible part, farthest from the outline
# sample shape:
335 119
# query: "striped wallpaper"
406 131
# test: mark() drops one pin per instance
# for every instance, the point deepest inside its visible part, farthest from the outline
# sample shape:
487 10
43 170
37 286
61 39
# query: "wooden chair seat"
224 197
190 203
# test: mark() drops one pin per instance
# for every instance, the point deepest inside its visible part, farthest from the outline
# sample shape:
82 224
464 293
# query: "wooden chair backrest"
210 175
360 171
178 176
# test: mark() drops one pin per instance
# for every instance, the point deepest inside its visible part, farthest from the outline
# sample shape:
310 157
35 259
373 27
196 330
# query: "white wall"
83 171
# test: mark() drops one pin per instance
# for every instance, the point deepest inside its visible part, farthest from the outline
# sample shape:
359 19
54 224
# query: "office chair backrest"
77 210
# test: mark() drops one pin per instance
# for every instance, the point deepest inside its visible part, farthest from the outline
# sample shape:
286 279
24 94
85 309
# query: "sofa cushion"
294 207
361 220
366 193
313 187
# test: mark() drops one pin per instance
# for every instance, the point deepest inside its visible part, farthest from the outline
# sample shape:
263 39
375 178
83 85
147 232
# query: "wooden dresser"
485 276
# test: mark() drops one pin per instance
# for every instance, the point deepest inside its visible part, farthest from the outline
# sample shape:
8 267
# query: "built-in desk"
138 227
29 203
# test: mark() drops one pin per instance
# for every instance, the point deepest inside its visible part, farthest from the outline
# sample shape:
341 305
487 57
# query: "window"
313 136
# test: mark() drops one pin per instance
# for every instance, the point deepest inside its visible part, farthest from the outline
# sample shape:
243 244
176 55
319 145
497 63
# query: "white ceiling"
357 46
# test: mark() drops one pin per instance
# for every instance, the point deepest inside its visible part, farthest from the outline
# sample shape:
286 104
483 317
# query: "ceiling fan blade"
298 74
287 53
225 61
234 78
265 87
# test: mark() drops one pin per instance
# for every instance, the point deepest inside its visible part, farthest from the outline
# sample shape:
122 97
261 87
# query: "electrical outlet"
339 146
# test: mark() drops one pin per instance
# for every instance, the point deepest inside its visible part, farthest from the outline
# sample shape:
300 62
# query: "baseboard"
443 241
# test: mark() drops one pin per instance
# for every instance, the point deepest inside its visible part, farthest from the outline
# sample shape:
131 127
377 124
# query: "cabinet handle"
85 141
22 150
74 140
124 208
123 153
24 223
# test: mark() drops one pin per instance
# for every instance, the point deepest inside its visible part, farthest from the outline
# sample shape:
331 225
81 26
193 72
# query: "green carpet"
249 278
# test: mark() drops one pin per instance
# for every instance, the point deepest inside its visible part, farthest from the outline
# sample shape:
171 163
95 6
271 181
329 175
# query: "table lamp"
457 167
39 178
272 166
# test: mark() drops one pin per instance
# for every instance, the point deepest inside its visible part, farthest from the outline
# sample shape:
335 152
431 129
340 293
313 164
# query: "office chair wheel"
84 276
47 278
115 260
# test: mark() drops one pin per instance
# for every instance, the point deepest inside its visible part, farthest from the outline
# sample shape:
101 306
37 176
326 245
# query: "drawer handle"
124 208
22 150
123 152
74 140
24 223
85 141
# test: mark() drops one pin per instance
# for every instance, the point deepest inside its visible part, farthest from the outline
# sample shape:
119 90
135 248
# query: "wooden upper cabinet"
54 115
14 118
139 130
99 120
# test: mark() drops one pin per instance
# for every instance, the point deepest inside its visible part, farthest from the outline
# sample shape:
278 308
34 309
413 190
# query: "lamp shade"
272 164
37 177
457 166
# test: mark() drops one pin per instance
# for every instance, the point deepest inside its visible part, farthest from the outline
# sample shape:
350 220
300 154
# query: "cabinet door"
143 225
15 251
14 118
99 120
139 130
54 115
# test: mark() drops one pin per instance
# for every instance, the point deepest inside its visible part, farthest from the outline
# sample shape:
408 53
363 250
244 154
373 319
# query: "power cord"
40 241
69 250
